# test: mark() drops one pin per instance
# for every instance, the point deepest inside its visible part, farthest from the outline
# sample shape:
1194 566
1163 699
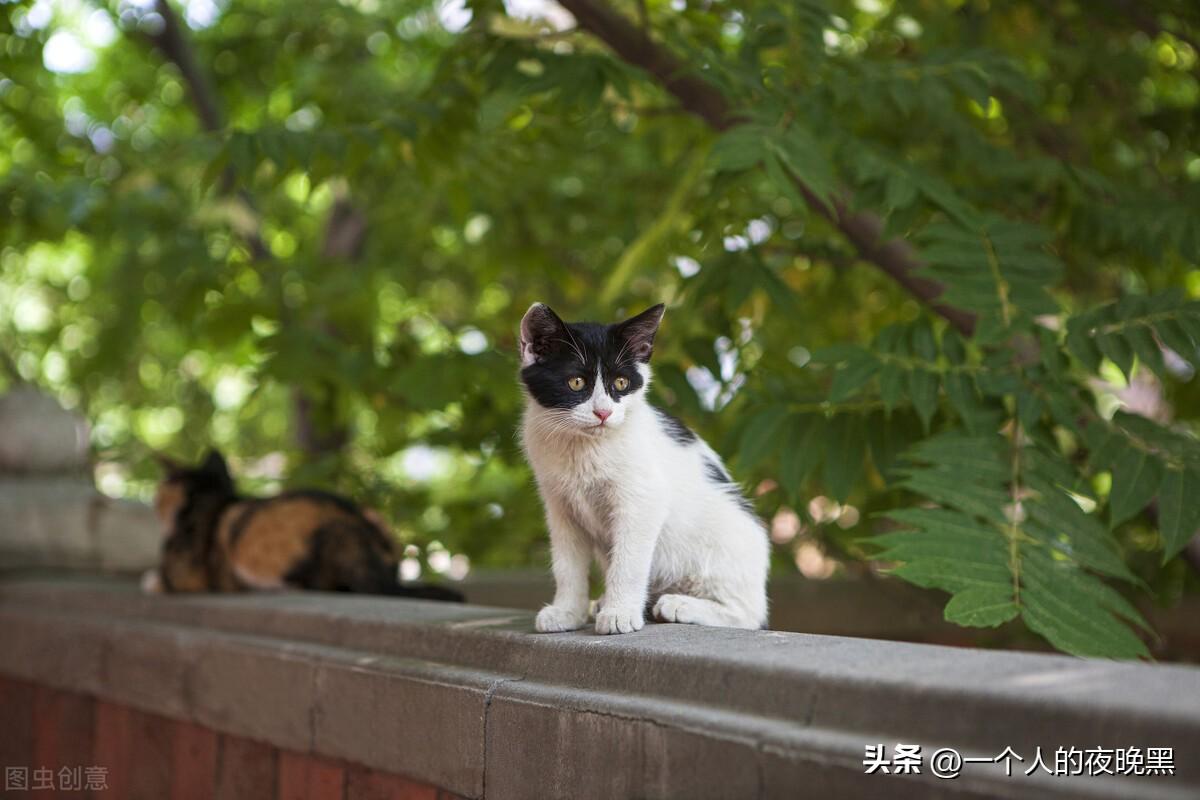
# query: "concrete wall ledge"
62 521
469 699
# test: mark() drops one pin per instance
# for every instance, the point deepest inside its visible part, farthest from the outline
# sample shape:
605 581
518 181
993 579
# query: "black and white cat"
631 485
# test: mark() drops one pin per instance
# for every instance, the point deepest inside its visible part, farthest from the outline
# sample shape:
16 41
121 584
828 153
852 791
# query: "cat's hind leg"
690 610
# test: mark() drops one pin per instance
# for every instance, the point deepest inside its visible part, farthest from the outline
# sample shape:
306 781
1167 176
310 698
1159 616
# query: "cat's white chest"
581 486
581 478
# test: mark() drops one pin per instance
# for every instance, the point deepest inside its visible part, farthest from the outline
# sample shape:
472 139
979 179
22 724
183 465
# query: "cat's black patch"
584 350
679 433
715 473
719 476
211 477
191 553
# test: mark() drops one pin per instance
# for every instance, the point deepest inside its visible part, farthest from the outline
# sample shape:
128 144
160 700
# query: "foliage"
186 284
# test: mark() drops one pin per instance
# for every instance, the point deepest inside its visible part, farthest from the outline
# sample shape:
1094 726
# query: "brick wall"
469 699
137 755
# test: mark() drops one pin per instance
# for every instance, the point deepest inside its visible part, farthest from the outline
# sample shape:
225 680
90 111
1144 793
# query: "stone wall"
62 521
470 700
50 511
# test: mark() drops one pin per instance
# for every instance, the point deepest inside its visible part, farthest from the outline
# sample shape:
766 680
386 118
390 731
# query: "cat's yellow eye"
621 384
575 383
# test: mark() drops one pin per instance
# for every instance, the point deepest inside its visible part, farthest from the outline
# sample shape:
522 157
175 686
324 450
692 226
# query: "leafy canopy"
914 251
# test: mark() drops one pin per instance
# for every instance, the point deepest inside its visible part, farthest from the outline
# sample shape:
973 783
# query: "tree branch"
174 45
172 42
695 94
895 257
317 430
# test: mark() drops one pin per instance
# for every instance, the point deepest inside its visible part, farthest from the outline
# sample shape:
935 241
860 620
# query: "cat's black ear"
541 333
214 464
638 332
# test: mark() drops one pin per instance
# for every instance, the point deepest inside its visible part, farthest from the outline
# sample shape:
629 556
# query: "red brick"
193 762
368 784
245 769
110 748
16 723
62 737
150 750
307 777
327 780
293 776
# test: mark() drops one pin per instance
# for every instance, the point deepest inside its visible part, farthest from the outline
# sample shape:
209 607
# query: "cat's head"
182 484
583 375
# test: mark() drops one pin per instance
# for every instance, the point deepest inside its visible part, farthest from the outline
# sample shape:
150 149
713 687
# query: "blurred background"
304 233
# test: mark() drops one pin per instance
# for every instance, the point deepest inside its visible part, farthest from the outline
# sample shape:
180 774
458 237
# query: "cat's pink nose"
603 415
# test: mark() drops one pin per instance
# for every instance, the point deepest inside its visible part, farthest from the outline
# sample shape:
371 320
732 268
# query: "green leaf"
1118 350
1057 603
982 607
992 266
954 347
924 346
739 148
1029 409
759 440
923 390
844 452
780 178
1146 348
953 575
804 156
1134 326
1084 347
852 376
1136 476
1178 509
1176 337
887 437
960 390
801 452
998 565
891 385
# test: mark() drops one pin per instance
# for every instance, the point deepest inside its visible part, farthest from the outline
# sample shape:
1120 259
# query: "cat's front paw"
554 619
620 620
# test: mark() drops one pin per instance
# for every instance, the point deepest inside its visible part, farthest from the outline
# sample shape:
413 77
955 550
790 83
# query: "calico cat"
631 485
219 541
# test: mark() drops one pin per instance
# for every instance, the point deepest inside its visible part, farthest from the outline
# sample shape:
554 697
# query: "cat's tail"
355 556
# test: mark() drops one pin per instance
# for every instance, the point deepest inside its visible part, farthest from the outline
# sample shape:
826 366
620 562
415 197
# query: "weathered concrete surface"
37 435
887 609
470 699
874 608
50 513
62 521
